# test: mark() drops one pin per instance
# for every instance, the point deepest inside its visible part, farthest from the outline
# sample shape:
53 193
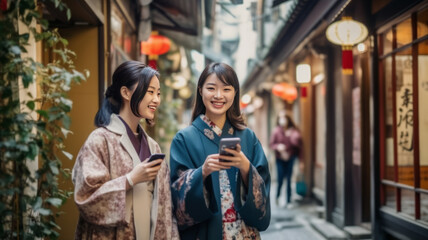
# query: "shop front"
402 49
363 130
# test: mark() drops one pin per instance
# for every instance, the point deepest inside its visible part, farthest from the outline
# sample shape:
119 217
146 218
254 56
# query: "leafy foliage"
167 123
32 130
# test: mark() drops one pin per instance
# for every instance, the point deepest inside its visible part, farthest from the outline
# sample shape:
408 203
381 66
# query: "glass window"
389 143
129 42
387 42
423 114
404 32
422 25
117 22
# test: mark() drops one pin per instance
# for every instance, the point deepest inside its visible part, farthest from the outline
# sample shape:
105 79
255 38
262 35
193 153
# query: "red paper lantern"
243 105
285 91
155 45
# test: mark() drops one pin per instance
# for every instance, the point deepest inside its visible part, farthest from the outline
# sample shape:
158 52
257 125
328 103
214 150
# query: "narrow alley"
150 119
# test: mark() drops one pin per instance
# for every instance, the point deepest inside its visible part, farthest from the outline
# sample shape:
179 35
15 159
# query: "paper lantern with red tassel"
346 32
156 45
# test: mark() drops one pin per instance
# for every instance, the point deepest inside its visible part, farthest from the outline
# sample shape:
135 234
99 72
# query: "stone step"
328 230
357 232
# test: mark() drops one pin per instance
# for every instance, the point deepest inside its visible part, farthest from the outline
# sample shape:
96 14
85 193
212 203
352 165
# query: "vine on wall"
29 196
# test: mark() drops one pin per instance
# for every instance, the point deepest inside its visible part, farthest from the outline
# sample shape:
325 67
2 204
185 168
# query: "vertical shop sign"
405 121
405 118
405 127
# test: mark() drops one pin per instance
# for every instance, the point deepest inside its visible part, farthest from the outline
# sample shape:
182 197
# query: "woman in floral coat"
215 199
119 194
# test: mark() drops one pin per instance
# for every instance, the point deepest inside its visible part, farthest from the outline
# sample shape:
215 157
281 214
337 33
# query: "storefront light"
346 32
246 99
319 78
257 102
361 47
303 73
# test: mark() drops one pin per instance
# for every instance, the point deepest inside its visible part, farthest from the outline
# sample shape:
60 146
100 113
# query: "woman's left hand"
238 160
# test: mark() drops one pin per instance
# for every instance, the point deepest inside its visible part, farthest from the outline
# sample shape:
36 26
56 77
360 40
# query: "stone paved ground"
292 223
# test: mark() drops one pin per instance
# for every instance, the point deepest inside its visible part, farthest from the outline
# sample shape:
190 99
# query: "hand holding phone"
228 143
156 156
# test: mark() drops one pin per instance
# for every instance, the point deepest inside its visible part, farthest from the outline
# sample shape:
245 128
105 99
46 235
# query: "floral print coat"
107 210
197 203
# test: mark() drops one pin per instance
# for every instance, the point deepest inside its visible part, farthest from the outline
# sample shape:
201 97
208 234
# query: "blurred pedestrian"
287 143
218 196
119 194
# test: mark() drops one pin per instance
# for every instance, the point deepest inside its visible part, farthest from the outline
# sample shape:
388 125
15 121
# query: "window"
403 74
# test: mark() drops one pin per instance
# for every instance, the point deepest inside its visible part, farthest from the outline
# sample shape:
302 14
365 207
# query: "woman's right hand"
211 165
145 171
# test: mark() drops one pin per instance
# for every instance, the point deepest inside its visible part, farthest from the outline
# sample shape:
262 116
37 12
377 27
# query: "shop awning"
305 18
182 20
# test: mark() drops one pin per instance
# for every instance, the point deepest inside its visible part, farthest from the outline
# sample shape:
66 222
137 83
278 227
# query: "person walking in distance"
287 144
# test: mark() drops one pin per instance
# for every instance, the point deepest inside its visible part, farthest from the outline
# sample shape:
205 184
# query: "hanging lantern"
245 100
154 46
242 105
303 73
346 32
285 91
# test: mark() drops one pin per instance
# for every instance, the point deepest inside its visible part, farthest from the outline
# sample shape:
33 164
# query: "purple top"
139 142
292 141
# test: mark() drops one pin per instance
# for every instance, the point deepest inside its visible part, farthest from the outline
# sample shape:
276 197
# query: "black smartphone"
156 156
228 143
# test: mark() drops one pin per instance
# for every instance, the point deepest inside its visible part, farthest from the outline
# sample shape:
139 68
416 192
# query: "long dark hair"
127 74
227 75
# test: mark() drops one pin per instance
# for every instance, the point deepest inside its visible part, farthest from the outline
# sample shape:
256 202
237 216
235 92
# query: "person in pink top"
286 141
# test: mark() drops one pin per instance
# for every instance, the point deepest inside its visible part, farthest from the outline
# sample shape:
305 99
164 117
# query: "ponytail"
102 118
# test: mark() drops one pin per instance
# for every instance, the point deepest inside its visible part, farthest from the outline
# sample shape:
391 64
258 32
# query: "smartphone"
228 143
156 156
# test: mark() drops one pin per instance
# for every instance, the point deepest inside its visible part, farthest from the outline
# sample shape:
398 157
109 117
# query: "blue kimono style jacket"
196 202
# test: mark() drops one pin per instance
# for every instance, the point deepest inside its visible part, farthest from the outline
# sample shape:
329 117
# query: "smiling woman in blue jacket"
216 199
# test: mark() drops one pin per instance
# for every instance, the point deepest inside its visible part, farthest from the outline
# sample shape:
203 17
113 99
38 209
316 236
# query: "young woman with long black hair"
119 194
